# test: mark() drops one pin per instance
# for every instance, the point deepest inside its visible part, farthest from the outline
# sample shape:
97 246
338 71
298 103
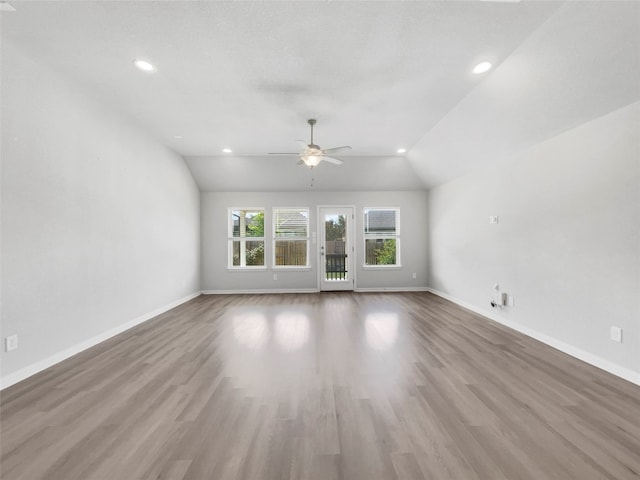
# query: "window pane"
292 222
291 252
255 253
380 222
380 251
335 228
251 250
248 223
236 254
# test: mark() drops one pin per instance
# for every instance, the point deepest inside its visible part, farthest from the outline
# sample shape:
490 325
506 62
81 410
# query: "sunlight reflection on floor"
292 330
250 330
381 329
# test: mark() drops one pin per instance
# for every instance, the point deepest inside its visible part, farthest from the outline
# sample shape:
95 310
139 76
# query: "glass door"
336 248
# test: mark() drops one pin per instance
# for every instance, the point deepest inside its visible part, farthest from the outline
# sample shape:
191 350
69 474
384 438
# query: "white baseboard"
391 289
310 290
260 291
45 363
610 367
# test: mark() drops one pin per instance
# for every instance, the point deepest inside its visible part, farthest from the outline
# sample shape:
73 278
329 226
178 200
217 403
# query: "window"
382 236
291 237
246 237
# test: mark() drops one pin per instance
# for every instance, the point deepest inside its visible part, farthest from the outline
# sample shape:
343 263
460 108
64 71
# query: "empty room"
391 240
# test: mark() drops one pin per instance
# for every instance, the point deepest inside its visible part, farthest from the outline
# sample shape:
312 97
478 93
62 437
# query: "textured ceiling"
376 75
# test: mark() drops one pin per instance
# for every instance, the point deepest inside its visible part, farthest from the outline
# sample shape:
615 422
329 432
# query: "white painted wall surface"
567 245
217 277
100 223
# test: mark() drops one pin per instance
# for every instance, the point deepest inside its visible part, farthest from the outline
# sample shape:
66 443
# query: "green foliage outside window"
335 230
255 228
386 255
255 256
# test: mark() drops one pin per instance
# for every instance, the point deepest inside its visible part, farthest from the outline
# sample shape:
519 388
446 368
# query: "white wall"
216 276
100 223
567 245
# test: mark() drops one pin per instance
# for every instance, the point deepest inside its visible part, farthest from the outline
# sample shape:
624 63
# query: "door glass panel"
335 232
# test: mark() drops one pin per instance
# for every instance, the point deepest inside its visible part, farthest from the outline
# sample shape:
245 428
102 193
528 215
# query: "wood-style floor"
321 386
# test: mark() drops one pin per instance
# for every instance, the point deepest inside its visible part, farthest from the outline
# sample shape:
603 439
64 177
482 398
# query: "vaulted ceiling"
376 75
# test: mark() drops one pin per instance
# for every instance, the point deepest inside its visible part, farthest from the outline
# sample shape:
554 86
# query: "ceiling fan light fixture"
311 160
401 150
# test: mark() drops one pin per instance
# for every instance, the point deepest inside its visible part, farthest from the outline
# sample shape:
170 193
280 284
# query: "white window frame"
368 236
231 239
276 238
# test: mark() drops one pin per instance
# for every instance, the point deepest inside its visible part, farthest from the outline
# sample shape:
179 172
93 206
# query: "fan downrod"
312 122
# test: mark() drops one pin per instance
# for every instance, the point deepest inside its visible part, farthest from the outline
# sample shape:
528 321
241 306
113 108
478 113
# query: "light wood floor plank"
341 386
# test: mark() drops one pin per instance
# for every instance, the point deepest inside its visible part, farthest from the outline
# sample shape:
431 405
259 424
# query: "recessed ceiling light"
482 67
144 66
227 150
401 150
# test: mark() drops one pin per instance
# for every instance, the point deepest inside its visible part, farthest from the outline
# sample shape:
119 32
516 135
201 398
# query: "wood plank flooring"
320 386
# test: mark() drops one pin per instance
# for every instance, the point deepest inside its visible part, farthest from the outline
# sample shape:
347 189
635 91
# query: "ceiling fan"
312 154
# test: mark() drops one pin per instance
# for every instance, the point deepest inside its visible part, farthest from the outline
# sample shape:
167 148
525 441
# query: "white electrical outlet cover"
616 334
11 342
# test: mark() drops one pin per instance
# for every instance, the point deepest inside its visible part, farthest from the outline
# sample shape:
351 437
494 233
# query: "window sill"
291 268
246 269
382 267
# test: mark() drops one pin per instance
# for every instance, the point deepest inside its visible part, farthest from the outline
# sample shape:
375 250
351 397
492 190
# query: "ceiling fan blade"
336 149
281 153
332 160
302 144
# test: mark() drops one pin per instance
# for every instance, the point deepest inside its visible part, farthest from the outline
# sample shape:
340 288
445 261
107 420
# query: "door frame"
350 283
